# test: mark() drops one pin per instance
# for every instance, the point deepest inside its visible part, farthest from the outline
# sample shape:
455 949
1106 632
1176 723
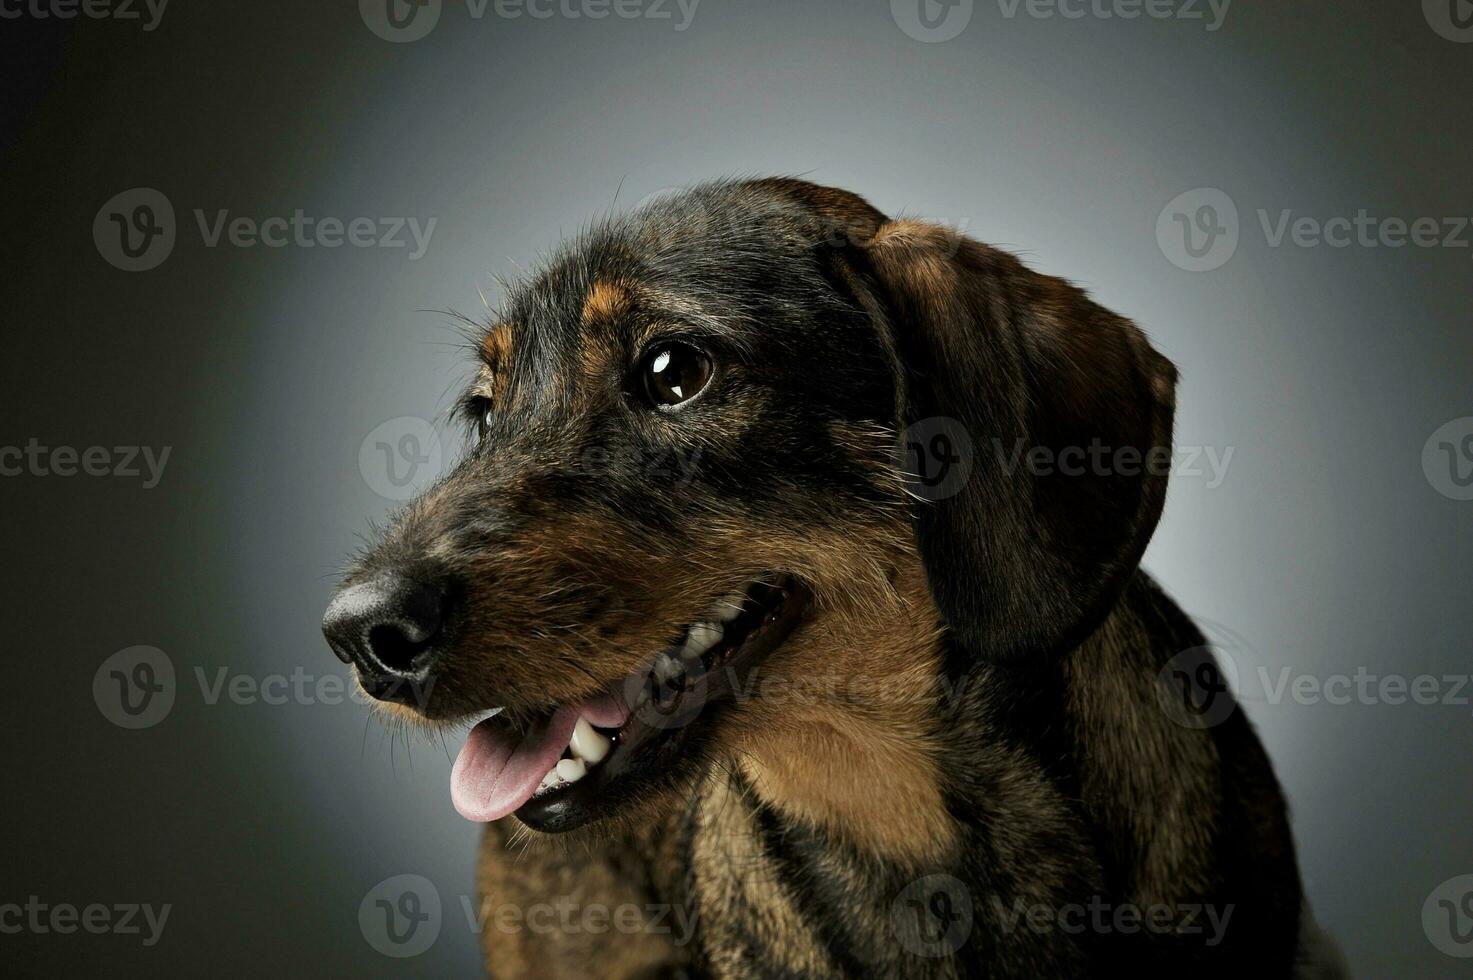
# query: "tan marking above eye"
495 350
496 345
605 300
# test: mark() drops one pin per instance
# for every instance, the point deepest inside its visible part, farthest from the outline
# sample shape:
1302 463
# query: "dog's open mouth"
582 761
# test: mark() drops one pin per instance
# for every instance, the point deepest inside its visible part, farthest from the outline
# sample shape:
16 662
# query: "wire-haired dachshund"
790 588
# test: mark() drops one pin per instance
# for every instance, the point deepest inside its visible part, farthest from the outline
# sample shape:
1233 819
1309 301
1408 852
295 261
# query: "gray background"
1325 549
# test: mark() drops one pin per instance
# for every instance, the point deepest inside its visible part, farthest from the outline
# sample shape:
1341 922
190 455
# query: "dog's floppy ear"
1068 412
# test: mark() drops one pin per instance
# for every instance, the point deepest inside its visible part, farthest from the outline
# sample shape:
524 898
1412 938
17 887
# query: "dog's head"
721 434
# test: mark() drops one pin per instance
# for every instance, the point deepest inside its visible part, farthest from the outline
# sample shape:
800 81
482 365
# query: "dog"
790 588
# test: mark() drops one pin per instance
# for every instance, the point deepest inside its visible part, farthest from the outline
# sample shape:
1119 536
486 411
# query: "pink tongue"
496 772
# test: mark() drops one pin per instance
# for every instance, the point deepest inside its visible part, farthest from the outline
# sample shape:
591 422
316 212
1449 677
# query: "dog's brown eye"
675 373
479 411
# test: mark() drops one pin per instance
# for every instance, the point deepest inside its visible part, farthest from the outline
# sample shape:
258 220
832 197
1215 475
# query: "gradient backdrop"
1330 545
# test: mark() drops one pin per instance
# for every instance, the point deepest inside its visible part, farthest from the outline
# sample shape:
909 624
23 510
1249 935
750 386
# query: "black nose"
391 628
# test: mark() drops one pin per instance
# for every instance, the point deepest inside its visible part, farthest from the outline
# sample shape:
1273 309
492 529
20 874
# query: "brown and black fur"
1013 730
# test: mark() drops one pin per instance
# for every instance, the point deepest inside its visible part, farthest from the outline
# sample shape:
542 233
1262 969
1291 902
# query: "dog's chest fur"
776 899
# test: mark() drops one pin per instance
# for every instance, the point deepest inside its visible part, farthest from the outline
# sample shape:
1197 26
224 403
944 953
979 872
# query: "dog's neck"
845 738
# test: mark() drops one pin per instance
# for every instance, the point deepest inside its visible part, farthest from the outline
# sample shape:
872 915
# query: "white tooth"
549 780
730 607
588 744
667 668
700 638
571 770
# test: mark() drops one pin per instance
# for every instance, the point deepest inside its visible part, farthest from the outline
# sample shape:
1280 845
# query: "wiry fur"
1009 731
